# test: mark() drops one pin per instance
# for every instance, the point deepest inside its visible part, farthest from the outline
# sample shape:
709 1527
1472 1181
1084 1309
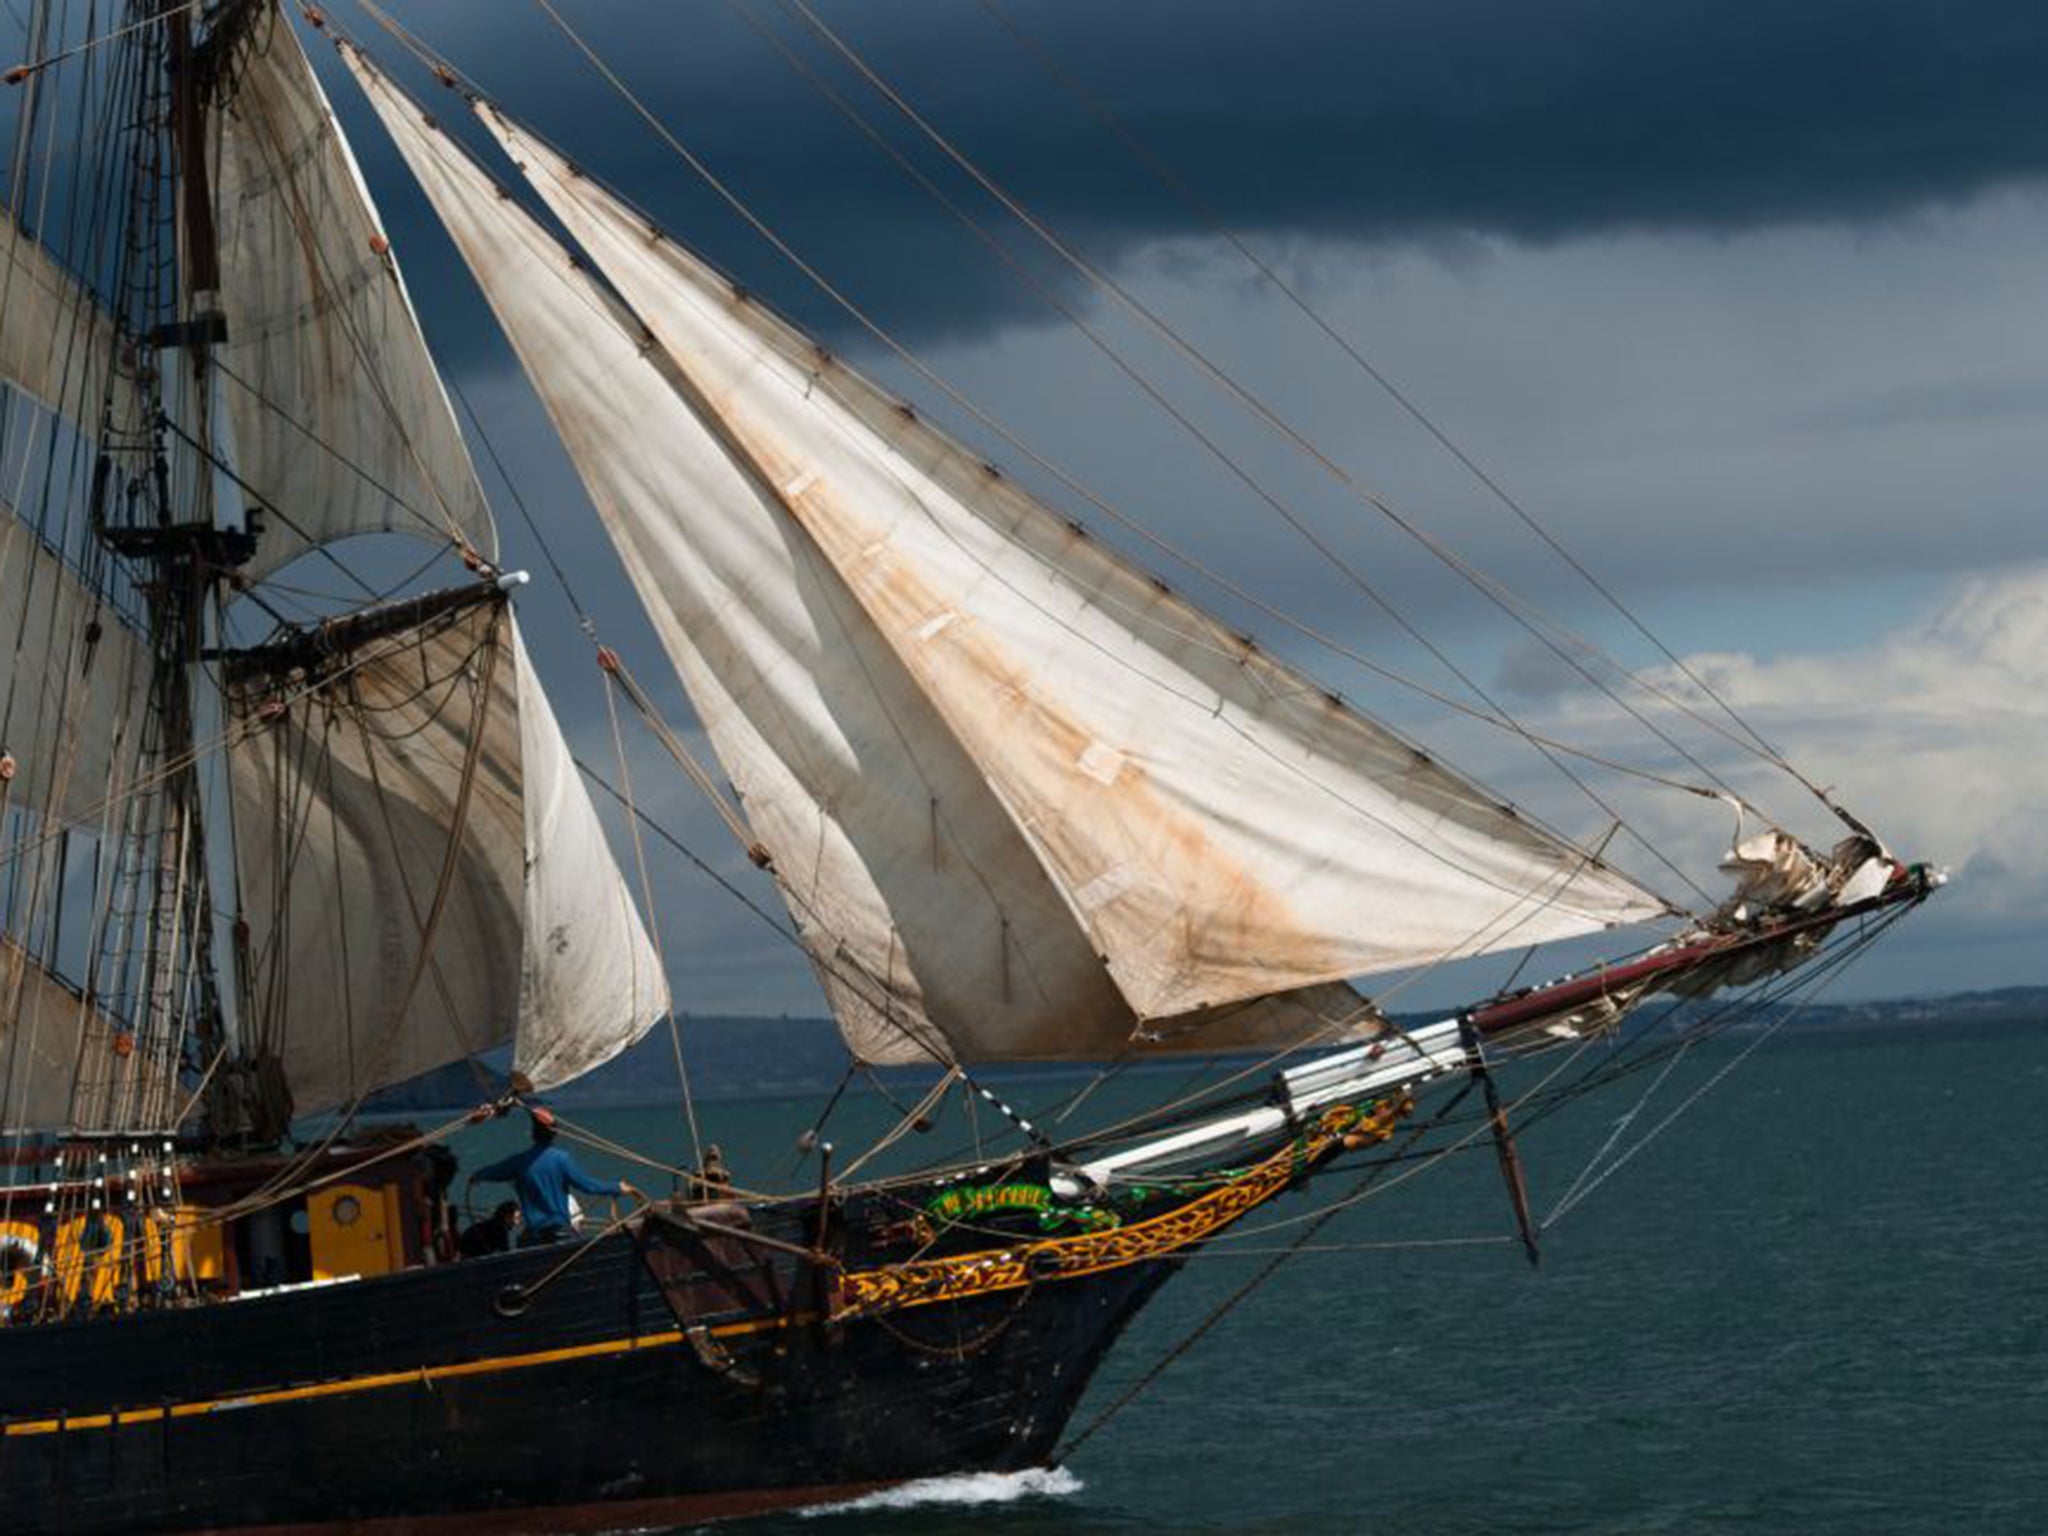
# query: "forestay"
1221 827
934 927
423 874
340 421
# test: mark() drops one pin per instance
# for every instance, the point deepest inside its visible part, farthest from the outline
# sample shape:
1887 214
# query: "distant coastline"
754 1058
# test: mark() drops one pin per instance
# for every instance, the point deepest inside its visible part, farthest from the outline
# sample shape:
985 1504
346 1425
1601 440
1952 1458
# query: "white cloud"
1939 731
1936 735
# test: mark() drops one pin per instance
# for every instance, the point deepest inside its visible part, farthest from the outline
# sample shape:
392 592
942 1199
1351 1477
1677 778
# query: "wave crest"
962 1488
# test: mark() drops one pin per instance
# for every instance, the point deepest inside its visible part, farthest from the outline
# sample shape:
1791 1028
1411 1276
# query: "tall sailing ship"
1024 803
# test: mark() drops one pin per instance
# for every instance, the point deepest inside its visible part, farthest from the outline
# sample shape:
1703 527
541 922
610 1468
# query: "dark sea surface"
1816 1302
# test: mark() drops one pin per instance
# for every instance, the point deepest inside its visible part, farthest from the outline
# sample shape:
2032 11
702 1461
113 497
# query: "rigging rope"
1224 1308
24 909
583 618
141 1091
1492 714
1260 409
21 72
225 740
423 958
607 663
449 75
1369 1185
1214 219
1811 986
1633 1056
1620 1129
836 966
1497 715
283 163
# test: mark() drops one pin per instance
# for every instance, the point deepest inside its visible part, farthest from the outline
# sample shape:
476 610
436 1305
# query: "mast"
196 569
394 845
160 516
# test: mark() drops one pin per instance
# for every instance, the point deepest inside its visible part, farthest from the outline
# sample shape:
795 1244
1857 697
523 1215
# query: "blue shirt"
542 1177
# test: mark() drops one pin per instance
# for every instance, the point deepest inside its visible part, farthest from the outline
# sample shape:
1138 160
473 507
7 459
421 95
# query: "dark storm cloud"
1365 122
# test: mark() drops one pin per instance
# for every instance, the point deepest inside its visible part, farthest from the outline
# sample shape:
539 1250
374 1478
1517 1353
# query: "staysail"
1219 825
340 421
427 878
934 926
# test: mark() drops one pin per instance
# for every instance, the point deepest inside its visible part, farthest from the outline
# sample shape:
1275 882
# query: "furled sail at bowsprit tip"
59 345
1221 828
340 421
424 877
74 684
935 928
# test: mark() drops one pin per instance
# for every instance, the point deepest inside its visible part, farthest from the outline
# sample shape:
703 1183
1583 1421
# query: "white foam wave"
963 1488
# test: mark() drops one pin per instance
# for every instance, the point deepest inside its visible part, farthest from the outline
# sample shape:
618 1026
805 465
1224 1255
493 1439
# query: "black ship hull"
624 1392
696 1361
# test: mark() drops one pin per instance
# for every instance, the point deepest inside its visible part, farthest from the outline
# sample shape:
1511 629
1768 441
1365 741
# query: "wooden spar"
824 1200
307 647
202 248
1910 885
1503 1143
1579 992
687 1220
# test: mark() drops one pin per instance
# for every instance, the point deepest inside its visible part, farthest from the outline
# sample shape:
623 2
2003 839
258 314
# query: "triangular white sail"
74 685
527 930
58 345
340 420
933 925
591 981
1221 827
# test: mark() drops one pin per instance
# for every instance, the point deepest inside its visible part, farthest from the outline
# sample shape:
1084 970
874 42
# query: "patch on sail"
1093 895
1101 762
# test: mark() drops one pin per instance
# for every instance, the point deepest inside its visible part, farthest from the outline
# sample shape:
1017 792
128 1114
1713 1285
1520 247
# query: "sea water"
1815 1301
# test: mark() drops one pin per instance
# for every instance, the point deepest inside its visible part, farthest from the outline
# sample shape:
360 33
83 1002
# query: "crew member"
494 1234
542 1177
711 1181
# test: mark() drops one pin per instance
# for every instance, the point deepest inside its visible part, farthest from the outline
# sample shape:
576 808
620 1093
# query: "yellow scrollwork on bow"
959 1276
